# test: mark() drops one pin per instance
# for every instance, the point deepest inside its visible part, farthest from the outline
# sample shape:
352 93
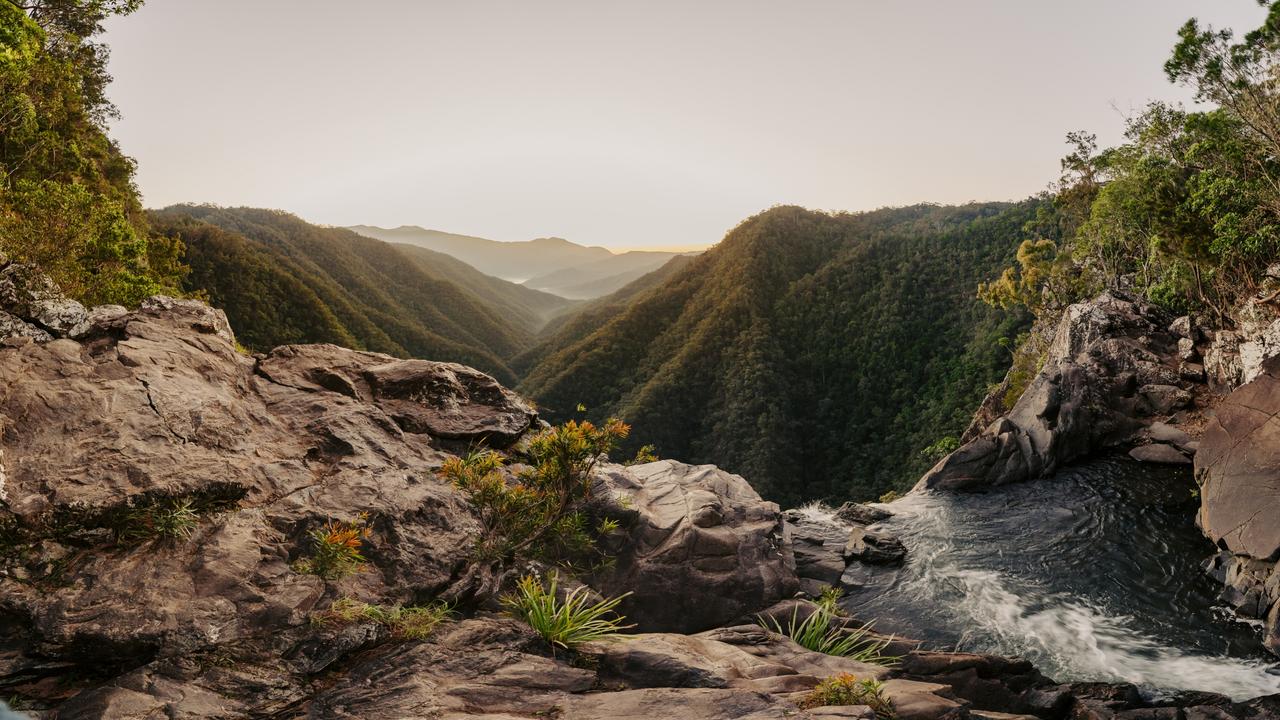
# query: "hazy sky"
625 124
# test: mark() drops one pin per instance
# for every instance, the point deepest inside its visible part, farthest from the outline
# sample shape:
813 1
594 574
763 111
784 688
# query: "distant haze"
641 124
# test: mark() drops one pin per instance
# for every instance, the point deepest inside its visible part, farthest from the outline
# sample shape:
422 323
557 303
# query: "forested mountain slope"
282 280
819 355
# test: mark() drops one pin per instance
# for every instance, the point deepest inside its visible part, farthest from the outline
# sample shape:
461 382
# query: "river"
1093 575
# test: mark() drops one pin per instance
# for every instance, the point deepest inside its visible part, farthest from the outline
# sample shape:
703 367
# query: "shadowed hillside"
285 281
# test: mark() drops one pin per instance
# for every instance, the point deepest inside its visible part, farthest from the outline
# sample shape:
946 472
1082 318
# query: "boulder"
30 295
702 548
1222 359
1184 329
861 513
1164 399
1187 349
1238 467
1164 433
875 547
818 547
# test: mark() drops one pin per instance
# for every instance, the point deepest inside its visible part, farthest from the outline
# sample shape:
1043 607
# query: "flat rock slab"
1159 453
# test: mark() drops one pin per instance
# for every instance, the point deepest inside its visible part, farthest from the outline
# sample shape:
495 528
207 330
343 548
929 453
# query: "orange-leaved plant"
538 510
336 548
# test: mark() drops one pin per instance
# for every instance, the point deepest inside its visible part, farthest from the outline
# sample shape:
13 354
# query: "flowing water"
1092 575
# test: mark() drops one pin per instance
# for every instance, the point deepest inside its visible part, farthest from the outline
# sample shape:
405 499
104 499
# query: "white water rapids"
1092 575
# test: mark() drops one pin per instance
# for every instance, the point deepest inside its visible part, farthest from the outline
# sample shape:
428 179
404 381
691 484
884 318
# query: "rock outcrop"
1112 368
841 546
1238 468
694 527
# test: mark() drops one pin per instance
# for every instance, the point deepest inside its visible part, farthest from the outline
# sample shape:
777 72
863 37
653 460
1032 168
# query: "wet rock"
861 513
702 547
1164 433
875 547
818 548
1159 453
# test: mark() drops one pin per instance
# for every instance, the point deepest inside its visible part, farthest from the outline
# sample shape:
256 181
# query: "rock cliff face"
1238 468
1112 369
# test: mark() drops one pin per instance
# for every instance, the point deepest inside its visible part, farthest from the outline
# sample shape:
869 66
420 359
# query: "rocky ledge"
106 413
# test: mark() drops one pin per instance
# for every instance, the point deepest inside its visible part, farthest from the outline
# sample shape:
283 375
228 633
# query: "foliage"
940 449
282 280
569 622
1186 211
846 689
408 623
815 354
1024 285
890 496
335 551
646 454
830 596
67 199
822 631
538 511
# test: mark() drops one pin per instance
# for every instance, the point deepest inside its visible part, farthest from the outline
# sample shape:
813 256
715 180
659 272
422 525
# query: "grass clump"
846 689
171 518
336 549
822 632
565 623
538 511
407 623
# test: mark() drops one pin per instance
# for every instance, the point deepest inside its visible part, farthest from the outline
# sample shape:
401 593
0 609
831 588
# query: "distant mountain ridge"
512 261
555 265
602 277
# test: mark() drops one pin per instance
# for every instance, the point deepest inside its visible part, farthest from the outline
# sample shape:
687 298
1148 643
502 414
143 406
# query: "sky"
653 123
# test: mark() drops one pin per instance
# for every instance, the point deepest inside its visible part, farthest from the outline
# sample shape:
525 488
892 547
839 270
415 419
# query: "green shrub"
565 623
540 512
646 454
846 689
409 623
822 632
940 449
890 496
336 549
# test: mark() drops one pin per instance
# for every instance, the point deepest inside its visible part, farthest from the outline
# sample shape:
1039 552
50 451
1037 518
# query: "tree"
67 198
